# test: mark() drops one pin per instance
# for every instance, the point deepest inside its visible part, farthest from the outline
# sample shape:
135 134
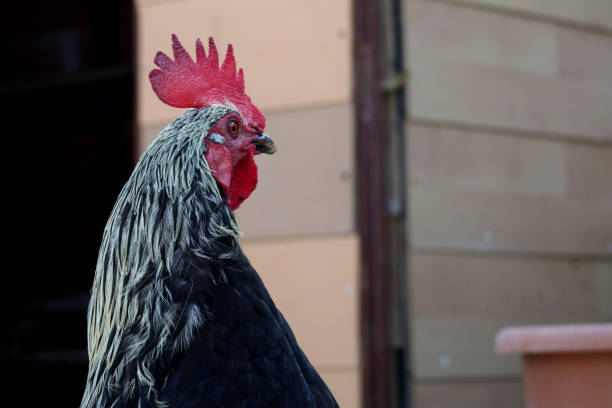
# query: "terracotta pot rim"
573 338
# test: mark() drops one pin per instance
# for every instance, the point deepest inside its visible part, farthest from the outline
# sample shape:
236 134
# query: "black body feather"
245 354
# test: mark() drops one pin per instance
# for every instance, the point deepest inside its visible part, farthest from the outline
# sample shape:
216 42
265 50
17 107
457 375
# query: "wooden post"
370 127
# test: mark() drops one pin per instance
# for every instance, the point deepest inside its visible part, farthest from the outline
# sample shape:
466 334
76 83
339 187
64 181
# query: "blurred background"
497 118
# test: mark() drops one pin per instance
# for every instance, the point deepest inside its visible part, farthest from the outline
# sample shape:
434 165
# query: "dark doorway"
67 88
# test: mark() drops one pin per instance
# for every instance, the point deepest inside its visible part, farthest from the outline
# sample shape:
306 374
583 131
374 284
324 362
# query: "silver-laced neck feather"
171 203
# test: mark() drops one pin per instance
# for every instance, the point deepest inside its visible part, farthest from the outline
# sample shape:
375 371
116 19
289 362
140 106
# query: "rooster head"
234 140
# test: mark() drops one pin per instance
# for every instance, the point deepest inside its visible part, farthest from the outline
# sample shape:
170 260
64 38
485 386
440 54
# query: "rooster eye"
232 126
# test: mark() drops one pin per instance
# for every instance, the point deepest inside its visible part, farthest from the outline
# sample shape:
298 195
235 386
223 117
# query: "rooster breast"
245 354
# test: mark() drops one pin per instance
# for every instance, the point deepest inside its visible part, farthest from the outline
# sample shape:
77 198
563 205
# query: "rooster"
178 317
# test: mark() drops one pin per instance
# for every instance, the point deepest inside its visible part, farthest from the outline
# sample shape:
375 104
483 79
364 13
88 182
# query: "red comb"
183 83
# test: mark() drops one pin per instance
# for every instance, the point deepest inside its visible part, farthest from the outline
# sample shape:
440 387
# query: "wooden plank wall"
298 224
510 172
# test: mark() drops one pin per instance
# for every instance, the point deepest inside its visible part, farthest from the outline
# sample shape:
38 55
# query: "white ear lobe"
216 138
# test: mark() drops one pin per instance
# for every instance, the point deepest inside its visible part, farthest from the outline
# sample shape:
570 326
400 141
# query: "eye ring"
232 127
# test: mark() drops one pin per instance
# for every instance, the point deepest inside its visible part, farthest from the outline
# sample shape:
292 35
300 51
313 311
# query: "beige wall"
298 224
295 54
510 183
509 167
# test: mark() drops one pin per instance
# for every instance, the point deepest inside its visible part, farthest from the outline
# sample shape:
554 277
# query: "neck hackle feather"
177 313
142 307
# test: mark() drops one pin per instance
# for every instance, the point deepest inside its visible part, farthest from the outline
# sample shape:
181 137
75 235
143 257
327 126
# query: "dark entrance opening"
67 91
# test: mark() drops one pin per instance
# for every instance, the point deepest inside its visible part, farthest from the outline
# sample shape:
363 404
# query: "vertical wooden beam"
370 125
397 176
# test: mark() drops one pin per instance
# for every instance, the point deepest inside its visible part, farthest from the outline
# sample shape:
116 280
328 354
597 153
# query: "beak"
263 144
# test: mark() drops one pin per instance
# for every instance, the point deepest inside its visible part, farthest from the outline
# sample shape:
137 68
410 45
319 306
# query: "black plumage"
245 354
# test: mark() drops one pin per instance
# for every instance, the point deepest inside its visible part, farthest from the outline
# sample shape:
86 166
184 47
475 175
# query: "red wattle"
244 181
